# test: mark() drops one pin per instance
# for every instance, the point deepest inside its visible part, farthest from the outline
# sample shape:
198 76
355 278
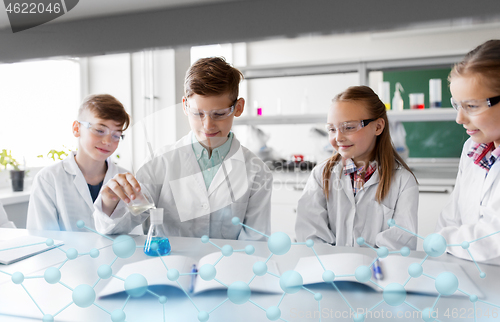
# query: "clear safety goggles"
348 127
102 131
216 115
475 107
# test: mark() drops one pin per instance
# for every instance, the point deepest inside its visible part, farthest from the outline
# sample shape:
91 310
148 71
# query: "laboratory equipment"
417 101
435 92
397 101
157 243
384 94
142 202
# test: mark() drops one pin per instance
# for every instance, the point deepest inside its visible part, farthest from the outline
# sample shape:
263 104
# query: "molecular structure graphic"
239 292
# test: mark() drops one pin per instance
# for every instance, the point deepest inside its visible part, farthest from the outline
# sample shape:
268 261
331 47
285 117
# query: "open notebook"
394 268
19 248
237 267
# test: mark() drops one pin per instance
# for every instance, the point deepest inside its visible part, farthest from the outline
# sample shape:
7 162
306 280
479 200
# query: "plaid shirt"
357 178
484 155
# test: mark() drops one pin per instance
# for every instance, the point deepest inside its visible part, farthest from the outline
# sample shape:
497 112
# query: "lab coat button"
204 206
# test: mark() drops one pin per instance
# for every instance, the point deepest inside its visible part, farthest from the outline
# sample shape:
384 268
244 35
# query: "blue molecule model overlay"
394 294
159 246
207 272
249 250
17 278
136 285
124 246
446 283
239 293
118 316
328 276
52 275
227 250
203 316
363 274
104 271
291 282
434 245
83 295
273 313
279 243
173 274
260 268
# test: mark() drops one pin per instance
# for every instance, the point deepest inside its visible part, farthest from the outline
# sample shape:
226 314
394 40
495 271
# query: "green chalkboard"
439 139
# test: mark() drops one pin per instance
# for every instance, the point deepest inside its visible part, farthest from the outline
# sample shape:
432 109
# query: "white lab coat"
176 183
4 220
343 218
473 211
60 196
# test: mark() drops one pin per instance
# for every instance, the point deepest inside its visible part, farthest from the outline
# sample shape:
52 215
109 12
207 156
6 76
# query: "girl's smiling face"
358 145
484 127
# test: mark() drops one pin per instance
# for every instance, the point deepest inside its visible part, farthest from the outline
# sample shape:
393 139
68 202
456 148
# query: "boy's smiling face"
211 134
93 146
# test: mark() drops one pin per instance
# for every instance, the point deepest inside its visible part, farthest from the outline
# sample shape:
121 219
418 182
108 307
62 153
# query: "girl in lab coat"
65 192
363 185
473 211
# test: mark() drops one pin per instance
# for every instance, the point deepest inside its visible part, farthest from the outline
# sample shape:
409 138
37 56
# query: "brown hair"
105 107
484 60
212 77
384 152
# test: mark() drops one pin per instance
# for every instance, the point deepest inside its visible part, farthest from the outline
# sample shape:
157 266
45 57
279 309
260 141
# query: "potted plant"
16 174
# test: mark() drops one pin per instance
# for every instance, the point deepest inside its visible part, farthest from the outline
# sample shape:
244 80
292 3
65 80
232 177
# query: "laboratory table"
17 306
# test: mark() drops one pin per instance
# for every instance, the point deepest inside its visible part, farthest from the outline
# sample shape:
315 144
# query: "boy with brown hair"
206 178
65 192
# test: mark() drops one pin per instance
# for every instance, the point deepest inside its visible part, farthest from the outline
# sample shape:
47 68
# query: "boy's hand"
123 186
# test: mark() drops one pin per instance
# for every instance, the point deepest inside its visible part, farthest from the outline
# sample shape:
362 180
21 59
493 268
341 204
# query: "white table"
16 306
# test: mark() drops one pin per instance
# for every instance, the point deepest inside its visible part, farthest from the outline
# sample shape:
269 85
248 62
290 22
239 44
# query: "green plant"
7 159
53 154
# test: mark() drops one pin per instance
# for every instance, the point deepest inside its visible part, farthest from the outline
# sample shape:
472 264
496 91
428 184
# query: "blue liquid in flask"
157 245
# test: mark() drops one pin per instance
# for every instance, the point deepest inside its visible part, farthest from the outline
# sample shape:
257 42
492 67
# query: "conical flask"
157 243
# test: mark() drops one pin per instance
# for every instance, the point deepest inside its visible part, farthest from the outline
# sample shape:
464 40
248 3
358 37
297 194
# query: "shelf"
435 114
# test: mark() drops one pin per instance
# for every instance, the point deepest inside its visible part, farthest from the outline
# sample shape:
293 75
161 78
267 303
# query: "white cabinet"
284 207
432 200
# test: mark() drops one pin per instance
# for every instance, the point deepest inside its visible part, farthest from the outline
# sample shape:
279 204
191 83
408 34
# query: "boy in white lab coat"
473 212
206 178
65 192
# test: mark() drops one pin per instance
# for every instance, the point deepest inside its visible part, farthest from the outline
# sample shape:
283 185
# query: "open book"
237 267
394 269
19 248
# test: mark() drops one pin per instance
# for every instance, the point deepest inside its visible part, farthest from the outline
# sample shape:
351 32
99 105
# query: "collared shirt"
484 155
210 165
357 178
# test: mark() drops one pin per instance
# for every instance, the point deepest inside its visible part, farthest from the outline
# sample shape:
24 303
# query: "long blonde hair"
383 153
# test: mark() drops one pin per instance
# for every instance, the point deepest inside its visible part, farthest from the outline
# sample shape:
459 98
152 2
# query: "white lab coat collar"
490 178
71 167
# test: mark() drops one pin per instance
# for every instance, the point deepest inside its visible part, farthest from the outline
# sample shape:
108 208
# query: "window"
38 103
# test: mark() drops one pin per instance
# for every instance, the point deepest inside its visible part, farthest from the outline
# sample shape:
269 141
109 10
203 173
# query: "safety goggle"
348 127
475 107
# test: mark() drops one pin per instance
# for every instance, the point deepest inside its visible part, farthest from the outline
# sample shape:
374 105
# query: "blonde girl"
474 209
363 185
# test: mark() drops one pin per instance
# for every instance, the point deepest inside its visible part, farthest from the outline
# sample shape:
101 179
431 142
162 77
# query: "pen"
194 272
377 270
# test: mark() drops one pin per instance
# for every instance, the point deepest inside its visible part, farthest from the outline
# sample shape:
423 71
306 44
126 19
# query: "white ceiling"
99 8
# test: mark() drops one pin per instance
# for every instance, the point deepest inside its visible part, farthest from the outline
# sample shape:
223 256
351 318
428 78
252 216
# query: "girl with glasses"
64 192
474 209
363 185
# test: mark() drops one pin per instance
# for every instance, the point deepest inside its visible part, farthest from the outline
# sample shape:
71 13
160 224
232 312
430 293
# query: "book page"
341 264
395 269
153 270
238 267
8 255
